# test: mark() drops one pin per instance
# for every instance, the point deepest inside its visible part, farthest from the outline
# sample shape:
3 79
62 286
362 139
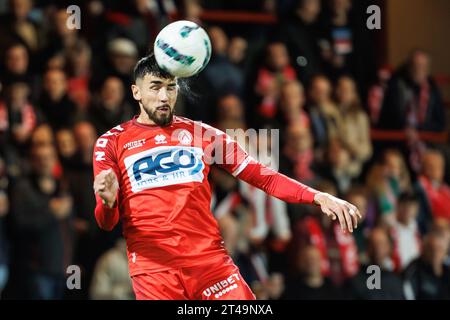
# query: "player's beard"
160 119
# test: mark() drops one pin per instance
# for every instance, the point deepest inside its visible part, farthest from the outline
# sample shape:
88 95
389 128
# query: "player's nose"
163 96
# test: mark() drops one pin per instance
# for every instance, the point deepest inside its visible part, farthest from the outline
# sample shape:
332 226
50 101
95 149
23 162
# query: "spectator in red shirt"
276 70
297 154
17 115
79 72
435 192
291 105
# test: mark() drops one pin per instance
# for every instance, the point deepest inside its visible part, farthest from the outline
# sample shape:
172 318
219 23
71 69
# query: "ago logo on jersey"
164 166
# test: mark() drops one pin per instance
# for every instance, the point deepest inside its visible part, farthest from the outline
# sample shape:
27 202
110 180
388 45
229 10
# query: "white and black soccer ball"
182 48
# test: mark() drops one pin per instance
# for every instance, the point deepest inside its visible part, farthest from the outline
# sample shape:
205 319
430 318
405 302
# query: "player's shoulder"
183 121
189 123
116 131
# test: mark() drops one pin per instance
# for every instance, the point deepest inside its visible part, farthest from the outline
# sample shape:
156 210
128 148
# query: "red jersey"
164 194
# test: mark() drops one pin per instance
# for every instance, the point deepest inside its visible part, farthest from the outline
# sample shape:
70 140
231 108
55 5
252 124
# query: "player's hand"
106 185
333 207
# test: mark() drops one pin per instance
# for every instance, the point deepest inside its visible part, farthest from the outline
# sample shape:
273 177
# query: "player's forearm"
277 184
106 217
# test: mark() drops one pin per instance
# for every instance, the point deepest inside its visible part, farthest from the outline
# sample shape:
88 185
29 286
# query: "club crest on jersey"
185 137
164 166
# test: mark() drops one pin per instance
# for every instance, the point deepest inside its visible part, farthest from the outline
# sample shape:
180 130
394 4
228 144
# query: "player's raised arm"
106 184
282 187
289 190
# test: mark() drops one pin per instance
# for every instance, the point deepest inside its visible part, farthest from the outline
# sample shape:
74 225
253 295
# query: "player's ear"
136 92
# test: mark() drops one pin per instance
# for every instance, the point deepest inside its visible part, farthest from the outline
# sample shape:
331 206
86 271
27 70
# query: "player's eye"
171 87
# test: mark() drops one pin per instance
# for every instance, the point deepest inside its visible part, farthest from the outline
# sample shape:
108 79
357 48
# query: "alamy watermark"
74 277
74 19
374 20
374 280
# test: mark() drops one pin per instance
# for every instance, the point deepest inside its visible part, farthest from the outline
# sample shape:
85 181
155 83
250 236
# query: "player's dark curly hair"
148 65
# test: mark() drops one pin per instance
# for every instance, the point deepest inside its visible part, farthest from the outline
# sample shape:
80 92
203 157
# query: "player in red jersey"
151 172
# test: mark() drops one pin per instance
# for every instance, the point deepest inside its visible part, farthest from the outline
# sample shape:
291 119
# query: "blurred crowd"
314 75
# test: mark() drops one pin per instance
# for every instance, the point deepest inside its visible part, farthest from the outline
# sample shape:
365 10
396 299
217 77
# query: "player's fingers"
110 174
100 187
358 213
98 181
348 218
352 206
110 178
107 179
103 173
353 211
338 212
329 213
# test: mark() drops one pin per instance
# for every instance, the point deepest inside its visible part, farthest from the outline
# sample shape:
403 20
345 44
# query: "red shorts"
219 280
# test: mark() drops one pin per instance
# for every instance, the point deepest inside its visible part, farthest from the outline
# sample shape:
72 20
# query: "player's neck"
143 118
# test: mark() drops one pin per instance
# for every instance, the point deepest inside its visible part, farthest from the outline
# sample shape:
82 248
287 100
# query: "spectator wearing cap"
122 55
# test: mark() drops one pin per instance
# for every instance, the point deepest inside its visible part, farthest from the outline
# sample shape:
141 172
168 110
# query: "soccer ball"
182 48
